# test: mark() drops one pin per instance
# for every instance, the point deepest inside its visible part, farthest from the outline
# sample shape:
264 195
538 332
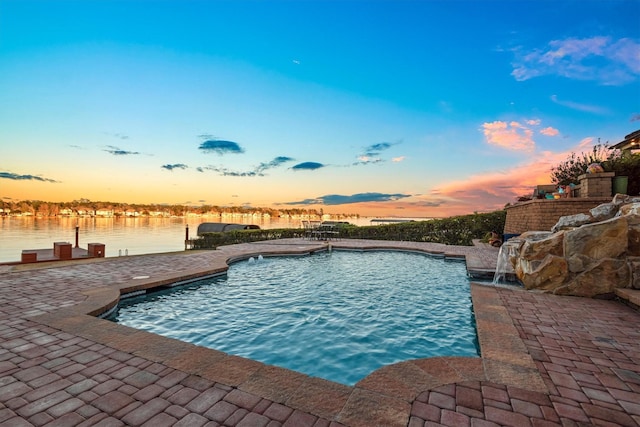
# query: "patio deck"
546 360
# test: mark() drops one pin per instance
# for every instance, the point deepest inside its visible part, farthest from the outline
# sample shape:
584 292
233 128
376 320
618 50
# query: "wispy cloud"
338 199
278 161
220 146
398 159
375 149
307 166
367 160
445 107
635 117
16 177
119 152
601 59
510 135
257 171
175 166
579 107
117 135
371 154
220 170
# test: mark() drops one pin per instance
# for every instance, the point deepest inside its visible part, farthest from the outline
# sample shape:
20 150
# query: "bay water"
121 235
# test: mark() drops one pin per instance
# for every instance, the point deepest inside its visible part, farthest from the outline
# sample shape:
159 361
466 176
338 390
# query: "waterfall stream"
503 265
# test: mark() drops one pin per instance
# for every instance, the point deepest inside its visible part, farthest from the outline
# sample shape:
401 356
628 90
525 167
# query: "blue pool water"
336 315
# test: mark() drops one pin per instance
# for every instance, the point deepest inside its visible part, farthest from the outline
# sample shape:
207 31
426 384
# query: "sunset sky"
383 108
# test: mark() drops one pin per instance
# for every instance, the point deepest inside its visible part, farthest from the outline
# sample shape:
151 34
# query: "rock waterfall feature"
586 255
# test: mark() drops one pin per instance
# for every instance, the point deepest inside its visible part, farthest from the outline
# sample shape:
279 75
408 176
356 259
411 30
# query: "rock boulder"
571 221
606 239
585 255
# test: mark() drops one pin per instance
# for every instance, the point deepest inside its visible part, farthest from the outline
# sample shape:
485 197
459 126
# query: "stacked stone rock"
587 254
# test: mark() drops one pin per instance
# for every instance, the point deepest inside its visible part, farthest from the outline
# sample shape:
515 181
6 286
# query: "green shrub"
626 164
213 240
622 163
568 171
457 230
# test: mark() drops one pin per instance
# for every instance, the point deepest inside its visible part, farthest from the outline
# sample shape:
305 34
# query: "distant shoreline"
380 220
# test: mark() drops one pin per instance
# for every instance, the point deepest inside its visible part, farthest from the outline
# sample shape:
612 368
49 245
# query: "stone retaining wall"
588 254
542 214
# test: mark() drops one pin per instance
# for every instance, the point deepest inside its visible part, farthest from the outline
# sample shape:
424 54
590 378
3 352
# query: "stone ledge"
629 295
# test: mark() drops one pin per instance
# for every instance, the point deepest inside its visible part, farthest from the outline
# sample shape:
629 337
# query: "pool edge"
384 396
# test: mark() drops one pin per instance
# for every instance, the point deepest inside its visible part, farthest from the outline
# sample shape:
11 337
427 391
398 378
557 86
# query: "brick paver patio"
546 360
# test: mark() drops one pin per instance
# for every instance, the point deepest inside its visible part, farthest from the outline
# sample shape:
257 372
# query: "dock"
61 251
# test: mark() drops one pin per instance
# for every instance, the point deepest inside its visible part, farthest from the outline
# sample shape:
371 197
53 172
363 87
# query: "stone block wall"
542 214
596 184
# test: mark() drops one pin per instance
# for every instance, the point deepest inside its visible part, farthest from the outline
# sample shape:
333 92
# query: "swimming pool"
336 315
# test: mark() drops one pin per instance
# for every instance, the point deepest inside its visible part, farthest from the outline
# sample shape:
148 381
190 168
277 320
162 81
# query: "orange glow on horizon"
482 192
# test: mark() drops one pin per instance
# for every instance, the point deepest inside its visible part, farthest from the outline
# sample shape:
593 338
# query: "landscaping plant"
622 163
457 230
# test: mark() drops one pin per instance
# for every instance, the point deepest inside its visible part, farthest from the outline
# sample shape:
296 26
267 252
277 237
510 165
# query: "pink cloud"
549 131
483 192
493 189
512 136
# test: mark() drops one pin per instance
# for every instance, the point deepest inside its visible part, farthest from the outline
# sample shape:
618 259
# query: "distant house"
631 142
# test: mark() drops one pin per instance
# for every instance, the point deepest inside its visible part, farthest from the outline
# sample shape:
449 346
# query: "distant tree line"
92 208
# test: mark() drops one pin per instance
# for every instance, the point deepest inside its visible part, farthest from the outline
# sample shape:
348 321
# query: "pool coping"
383 397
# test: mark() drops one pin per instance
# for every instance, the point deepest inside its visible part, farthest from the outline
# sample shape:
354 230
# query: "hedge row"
213 240
457 230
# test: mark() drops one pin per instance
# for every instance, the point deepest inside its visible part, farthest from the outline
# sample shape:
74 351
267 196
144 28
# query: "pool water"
336 315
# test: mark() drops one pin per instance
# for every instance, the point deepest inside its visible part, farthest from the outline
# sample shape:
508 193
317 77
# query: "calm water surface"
336 315
134 236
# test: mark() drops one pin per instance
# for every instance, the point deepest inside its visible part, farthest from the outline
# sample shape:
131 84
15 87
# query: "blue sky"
407 108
